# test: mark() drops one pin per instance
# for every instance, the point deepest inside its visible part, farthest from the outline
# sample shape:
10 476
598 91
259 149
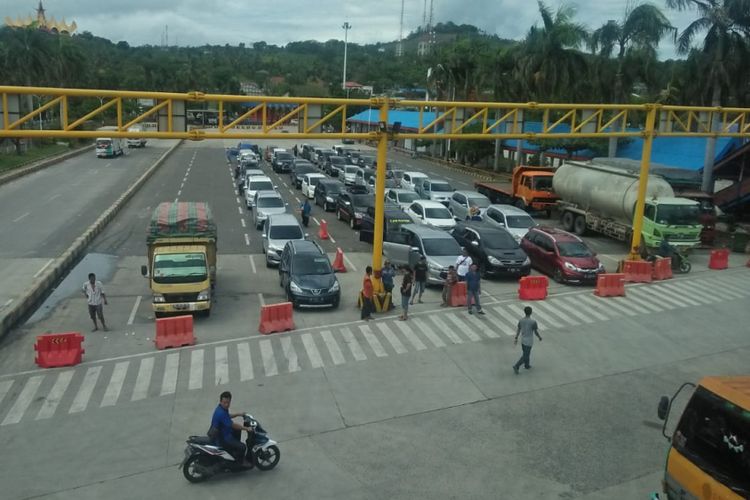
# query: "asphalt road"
429 408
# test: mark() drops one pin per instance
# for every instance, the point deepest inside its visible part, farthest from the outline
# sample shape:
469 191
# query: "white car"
253 185
350 174
402 197
432 214
410 180
309 181
515 220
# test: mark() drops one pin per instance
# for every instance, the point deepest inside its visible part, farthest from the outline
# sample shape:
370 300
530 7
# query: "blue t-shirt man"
223 423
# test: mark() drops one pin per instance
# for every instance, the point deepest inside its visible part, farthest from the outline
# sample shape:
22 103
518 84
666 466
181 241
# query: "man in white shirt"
463 264
94 292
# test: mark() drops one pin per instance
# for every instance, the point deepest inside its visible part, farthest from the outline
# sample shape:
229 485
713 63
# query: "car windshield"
573 249
499 240
102 144
479 202
543 183
180 268
677 215
520 221
437 213
363 200
284 156
441 187
270 202
407 197
398 174
441 246
285 233
333 189
337 160
351 170
313 181
260 186
306 265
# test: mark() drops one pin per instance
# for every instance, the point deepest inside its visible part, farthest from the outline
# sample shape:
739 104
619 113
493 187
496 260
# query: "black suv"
333 165
353 207
326 193
299 169
306 275
282 162
493 249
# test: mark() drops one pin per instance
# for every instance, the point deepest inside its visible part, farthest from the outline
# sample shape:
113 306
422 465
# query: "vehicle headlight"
335 287
329 199
435 267
204 294
358 215
657 233
159 298
293 287
570 266
492 260
517 237
527 262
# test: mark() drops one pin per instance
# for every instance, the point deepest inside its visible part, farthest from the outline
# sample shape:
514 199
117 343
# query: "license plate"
182 307
512 269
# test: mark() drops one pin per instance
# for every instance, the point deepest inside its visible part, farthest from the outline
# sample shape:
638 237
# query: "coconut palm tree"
725 45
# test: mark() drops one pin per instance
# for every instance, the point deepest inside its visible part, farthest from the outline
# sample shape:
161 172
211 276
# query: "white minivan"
254 184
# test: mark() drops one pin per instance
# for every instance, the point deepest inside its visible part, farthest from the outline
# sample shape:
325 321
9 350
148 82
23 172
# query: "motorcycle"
203 459
680 262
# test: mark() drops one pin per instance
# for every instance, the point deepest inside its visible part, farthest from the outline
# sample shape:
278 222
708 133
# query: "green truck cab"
181 266
676 218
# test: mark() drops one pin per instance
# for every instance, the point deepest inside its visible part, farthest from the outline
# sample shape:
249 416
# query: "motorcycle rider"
666 250
226 433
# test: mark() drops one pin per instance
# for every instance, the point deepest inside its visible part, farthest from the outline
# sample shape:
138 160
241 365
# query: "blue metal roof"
408 119
684 152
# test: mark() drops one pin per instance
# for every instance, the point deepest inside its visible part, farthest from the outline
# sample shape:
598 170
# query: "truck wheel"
579 226
567 221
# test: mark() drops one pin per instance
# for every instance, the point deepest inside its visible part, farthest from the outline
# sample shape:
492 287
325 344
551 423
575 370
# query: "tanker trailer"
600 196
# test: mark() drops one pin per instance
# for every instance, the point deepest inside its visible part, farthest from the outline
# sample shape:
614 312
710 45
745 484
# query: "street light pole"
346 27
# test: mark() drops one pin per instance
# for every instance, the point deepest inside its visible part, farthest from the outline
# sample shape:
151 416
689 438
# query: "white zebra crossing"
42 396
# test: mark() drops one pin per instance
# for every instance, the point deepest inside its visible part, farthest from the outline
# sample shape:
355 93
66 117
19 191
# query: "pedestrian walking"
463 264
306 210
367 305
295 150
387 276
406 286
450 280
96 299
527 328
473 289
420 279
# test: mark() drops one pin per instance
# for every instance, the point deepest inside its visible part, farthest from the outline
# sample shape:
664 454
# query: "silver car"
350 174
435 190
515 220
461 202
403 197
411 241
279 229
267 203
254 184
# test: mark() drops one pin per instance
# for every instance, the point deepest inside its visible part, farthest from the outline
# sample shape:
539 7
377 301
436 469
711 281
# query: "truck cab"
532 189
677 218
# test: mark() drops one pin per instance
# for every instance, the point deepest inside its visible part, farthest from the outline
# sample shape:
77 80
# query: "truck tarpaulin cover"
181 219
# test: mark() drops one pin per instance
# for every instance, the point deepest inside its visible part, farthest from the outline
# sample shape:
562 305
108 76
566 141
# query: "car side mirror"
347 203
275 187
414 249
263 235
307 235
457 219
663 408
144 271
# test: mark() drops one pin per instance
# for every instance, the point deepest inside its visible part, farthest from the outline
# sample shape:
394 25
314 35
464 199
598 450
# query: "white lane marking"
175 200
239 209
620 304
391 337
371 339
427 332
285 184
55 395
664 293
266 354
724 288
5 388
53 197
331 238
509 324
112 394
333 347
81 401
23 401
290 354
7 303
131 318
597 307
261 299
461 327
179 192
21 217
445 329
108 165
312 350
410 336
316 221
45 266
483 326
245 360
171 367
247 240
298 200
196 370
354 268
242 221
571 309
550 320
354 346
644 304
182 185
518 311
221 363
560 314
142 381
702 295
238 199
252 264
637 293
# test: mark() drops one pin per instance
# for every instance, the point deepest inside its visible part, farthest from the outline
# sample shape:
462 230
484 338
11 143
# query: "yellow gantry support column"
648 141
377 239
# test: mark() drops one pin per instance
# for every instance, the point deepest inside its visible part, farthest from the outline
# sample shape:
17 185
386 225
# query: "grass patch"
11 161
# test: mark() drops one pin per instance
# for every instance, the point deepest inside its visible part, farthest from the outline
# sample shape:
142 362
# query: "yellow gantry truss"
438 120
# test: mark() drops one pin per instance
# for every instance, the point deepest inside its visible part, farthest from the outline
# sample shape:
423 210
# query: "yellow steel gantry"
451 119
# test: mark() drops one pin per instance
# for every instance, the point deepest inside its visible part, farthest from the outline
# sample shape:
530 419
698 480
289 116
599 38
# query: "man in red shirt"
367 305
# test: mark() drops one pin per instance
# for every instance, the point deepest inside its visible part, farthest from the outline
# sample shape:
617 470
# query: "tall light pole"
346 27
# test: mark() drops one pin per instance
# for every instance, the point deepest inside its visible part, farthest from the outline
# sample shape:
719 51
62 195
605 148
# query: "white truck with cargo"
600 195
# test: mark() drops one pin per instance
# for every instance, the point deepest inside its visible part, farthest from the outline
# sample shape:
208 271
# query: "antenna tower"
400 48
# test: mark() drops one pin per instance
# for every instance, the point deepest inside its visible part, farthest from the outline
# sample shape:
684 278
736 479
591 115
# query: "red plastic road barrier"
458 294
58 349
719 259
533 288
276 318
338 262
323 233
637 271
610 285
662 269
176 331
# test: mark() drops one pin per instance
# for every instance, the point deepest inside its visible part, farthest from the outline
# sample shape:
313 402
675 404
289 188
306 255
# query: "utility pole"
400 48
346 27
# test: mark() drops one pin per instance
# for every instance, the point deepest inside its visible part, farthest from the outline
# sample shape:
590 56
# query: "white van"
136 142
108 147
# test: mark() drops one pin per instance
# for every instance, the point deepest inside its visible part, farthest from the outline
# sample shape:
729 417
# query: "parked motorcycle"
203 459
680 262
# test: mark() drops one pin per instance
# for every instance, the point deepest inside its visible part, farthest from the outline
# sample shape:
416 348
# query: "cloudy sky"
198 22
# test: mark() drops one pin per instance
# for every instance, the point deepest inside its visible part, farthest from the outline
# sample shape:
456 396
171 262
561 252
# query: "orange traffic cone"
338 262
323 233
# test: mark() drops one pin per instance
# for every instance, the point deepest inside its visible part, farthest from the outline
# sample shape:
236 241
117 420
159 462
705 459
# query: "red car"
562 255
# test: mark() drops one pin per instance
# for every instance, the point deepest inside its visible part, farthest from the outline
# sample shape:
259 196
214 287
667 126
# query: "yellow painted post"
377 239
648 141
64 113
119 112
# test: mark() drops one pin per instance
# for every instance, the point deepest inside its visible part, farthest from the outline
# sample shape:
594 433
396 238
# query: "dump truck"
181 243
530 189
601 196
709 452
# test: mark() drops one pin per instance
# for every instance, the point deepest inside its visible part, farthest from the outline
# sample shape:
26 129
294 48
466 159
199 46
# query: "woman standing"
406 286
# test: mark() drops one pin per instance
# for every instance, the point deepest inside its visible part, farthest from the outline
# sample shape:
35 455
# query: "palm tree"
727 27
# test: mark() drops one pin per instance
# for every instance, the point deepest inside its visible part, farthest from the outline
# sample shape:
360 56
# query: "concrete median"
62 265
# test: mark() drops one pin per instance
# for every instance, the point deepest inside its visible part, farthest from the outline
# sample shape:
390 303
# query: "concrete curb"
479 174
40 164
43 285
